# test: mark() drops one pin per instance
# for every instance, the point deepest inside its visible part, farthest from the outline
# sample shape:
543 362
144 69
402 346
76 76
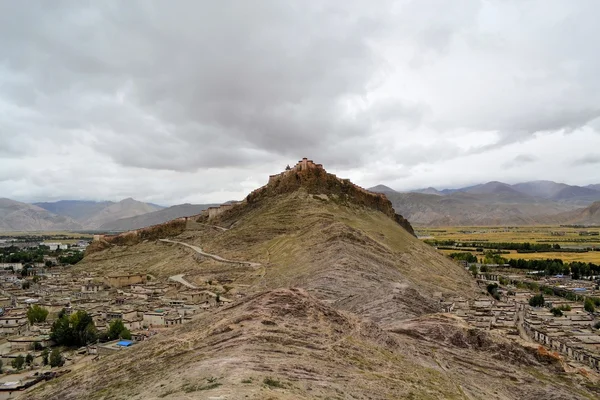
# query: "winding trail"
179 279
213 256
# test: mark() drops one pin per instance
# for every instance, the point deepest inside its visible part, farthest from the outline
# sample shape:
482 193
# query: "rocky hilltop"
312 178
305 176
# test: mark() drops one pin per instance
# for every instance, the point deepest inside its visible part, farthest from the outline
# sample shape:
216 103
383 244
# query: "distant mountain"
17 216
76 209
584 216
123 209
499 207
561 192
381 189
429 190
543 189
577 193
489 188
154 218
91 214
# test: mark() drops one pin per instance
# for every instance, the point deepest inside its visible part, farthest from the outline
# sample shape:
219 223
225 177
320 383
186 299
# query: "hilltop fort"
305 175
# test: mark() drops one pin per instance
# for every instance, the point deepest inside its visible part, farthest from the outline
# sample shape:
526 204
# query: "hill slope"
286 344
585 216
339 304
17 216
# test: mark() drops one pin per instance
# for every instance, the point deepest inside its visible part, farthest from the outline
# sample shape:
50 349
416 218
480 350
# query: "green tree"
56 360
588 305
18 362
36 314
125 334
114 329
45 354
473 270
76 330
1 366
25 285
28 359
537 300
556 311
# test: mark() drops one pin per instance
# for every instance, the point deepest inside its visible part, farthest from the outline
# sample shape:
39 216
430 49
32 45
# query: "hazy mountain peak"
381 189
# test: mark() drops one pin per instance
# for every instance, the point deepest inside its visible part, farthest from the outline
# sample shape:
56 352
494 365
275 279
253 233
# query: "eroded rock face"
316 181
405 224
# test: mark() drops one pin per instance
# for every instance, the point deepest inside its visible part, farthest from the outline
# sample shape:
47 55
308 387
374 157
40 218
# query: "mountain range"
497 203
67 214
332 297
491 203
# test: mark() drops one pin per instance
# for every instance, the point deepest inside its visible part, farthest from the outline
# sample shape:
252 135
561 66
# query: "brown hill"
286 344
17 216
123 209
500 207
332 294
584 216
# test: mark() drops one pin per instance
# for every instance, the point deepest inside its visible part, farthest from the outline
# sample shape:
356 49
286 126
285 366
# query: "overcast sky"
199 101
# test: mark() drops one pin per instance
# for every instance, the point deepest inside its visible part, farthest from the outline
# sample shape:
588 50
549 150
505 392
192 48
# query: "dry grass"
514 234
538 234
359 273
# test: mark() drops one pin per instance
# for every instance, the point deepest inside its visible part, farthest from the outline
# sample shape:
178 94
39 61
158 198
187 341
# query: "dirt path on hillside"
179 279
213 256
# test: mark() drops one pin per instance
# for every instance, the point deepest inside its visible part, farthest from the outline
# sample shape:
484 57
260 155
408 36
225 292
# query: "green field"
566 237
48 236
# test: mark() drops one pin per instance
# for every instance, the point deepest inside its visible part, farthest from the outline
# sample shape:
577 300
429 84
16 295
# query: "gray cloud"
223 93
156 81
588 159
519 160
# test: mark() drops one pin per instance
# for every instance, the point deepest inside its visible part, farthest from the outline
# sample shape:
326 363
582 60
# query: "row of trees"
72 258
78 329
464 256
480 246
53 358
557 266
13 254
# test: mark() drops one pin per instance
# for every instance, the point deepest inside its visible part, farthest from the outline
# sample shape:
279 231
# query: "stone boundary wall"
125 280
570 350
215 211
137 232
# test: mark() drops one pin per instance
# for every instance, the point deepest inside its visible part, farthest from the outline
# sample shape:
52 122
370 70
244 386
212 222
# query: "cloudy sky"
199 101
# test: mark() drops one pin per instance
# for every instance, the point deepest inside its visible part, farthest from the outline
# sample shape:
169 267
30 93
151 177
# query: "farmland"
568 238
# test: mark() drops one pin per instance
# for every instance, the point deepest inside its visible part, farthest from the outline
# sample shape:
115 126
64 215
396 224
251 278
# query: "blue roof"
125 343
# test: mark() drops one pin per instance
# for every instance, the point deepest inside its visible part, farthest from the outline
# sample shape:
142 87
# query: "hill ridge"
305 175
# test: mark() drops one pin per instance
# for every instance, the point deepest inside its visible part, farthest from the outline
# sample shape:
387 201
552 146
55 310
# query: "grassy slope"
314 342
285 344
354 257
